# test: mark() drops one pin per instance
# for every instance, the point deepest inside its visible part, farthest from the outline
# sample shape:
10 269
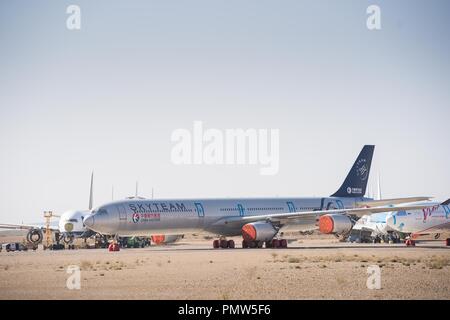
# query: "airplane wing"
387 202
286 218
25 227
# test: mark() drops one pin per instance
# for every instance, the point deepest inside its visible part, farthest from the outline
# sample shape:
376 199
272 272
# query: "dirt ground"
310 268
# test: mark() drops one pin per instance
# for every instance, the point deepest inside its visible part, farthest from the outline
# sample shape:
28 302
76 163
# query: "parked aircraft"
70 225
260 221
430 220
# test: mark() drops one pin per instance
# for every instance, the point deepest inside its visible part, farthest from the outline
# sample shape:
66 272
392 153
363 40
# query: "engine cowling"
335 224
258 231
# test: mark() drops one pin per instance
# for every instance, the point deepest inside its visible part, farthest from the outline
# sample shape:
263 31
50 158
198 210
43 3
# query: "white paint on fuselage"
435 219
71 222
174 216
375 223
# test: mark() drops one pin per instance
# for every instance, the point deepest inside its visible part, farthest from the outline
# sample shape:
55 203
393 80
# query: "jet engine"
335 224
258 231
34 236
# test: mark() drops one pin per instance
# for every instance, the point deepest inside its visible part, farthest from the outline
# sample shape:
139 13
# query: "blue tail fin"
356 182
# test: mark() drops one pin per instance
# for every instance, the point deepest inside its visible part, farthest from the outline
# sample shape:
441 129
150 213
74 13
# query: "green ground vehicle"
134 242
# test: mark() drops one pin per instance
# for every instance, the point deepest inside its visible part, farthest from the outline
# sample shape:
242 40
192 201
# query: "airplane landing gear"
447 242
223 243
274 243
69 241
277 243
410 243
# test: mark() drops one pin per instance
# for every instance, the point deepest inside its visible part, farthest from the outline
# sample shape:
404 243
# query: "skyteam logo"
135 217
362 171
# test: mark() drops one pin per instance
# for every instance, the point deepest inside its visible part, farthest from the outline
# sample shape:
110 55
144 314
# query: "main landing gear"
274 243
223 243
447 242
410 243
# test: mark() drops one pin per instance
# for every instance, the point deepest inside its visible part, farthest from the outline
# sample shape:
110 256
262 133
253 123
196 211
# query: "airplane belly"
438 228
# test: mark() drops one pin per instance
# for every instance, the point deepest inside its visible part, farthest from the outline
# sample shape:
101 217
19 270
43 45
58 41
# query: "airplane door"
241 210
199 209
122 212
291 206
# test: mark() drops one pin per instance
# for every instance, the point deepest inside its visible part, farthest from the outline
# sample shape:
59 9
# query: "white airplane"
260 221
430 220
70 225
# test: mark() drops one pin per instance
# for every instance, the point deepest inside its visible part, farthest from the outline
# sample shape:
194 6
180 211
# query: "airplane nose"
89 221
104 221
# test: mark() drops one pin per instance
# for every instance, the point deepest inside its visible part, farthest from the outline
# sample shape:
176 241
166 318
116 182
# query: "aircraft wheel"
244 244
252 244
447 242
223 244
275 243
216 244
230 244
259 244
283 243
268 244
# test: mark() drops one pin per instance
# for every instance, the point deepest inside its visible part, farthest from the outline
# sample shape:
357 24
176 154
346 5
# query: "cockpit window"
102 211
72 220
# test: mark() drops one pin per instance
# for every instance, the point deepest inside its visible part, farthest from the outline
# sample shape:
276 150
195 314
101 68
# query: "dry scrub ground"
191 270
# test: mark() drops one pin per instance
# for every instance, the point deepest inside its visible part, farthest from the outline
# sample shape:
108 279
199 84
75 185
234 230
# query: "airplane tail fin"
356 182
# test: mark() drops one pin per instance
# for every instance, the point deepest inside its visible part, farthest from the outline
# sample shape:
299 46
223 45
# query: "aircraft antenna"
379 186
137 185
91 192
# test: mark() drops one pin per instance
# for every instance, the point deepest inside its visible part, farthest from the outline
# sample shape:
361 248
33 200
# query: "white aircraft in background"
431 220
70 225
373 227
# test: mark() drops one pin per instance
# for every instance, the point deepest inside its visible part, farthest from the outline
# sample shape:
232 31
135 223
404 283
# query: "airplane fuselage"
141 217
435 219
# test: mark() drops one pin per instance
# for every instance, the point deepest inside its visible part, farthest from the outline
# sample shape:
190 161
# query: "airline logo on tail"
362 171
356 181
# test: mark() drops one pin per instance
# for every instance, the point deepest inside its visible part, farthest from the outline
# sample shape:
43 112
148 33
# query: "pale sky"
107 97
